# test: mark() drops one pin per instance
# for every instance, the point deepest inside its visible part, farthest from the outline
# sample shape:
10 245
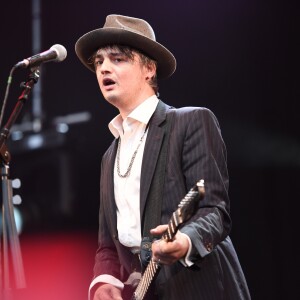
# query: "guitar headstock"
189 203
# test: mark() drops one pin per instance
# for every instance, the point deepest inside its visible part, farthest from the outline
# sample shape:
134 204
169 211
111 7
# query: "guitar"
186 208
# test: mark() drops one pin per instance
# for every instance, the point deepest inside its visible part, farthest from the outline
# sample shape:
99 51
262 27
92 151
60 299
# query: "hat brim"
90 42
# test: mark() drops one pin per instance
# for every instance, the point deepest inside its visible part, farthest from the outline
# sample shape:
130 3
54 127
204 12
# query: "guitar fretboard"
177 217
182 214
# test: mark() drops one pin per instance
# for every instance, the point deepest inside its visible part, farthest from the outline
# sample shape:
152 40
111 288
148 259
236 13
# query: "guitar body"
137 285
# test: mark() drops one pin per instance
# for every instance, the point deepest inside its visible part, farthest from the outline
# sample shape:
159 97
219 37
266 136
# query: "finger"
158 251
160 229
170 252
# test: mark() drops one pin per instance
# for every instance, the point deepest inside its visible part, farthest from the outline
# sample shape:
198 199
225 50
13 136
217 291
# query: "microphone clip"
28 85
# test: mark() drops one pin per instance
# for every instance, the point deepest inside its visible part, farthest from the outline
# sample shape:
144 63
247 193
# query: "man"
200 262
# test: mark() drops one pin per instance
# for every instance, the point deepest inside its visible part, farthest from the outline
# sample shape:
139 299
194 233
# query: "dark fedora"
128 31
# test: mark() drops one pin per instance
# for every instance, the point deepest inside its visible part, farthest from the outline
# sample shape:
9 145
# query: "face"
123 81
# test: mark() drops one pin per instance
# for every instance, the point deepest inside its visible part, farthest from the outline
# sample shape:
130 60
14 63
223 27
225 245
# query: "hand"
107 292
169 252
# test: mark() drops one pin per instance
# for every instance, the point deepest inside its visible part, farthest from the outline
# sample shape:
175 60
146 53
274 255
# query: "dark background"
238 58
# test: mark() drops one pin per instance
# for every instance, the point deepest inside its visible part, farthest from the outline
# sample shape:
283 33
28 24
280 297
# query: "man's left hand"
166 252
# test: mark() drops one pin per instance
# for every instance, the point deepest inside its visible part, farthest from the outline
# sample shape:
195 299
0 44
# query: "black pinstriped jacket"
196 150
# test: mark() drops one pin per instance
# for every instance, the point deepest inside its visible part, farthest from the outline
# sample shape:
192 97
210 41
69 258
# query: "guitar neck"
186 209
144 284
153 267
173 226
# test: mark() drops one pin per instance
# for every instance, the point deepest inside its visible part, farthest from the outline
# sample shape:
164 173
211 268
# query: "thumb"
160 229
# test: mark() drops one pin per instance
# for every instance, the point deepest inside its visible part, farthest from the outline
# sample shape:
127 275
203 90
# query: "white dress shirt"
127 190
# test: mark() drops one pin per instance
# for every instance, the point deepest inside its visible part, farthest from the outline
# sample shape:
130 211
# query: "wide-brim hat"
127 31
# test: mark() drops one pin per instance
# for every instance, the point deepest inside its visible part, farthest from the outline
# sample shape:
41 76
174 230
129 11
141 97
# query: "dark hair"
128 52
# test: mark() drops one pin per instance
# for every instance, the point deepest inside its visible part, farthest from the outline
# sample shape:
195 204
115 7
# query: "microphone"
56 53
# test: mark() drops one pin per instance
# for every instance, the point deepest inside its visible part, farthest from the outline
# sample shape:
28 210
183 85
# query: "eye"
98 62
118 59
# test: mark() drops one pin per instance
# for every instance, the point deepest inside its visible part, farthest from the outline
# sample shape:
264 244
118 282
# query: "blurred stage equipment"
10 246
10 240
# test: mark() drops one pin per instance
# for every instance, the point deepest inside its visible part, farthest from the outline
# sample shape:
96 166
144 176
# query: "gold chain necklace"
127 173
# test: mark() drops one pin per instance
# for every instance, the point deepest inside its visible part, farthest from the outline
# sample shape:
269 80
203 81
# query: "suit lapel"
109 175
152 149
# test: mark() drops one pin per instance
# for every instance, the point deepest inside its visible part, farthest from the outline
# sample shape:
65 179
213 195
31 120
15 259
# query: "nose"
105 66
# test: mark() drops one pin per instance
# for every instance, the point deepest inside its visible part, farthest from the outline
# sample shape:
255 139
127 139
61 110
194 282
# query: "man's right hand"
107 291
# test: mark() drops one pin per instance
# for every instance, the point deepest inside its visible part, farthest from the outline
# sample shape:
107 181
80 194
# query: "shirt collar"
141 113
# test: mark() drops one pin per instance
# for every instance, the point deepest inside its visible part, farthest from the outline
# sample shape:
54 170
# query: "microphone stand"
9 231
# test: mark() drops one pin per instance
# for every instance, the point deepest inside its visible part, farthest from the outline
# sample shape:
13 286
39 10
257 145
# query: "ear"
150 70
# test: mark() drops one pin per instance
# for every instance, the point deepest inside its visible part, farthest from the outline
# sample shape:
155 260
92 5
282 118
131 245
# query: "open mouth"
108 82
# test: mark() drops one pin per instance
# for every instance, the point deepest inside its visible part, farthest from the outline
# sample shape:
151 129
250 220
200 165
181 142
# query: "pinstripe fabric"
196 151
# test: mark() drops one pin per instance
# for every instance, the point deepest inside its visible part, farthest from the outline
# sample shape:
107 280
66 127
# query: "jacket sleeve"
204 157
106 260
